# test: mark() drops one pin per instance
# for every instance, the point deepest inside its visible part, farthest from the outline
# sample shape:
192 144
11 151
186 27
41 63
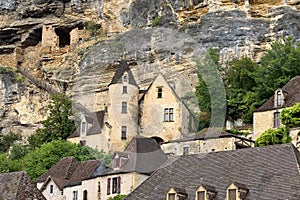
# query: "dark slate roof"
270 172
63 169
123 67
95 118
209 134
291 95
84 171
145 156
18 186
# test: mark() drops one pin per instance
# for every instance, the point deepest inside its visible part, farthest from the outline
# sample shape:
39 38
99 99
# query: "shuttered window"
108 186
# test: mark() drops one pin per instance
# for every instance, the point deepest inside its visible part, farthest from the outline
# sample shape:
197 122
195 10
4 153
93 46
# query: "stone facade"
223 142
51 191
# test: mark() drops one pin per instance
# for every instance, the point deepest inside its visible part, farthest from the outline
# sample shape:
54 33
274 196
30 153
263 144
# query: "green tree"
290 117
240 87
273 136
58 124
118 197
277 67
38 161
6 141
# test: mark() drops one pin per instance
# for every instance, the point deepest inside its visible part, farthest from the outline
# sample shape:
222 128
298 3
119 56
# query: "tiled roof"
291 95
63 169
18 186
270 172
95 118
123 67
84 171
145 156
209 134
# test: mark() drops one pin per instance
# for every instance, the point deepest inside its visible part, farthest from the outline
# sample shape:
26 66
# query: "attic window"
278 99
51 188
237 191
177 193
125 78
205 192
83 128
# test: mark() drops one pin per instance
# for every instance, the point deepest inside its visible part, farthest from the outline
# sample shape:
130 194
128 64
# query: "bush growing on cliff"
58 125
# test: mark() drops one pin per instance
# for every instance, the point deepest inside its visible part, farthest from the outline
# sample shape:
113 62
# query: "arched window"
279 98
85 195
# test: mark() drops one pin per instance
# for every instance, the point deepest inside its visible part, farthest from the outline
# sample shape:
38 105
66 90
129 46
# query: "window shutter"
119 185
108 186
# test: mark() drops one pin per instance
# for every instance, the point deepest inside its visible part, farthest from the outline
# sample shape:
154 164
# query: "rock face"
158 35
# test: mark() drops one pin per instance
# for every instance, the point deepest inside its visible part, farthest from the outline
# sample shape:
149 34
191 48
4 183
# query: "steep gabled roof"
63 169
18 186
291 95
123 67
270 172
97 121
84 171
145 156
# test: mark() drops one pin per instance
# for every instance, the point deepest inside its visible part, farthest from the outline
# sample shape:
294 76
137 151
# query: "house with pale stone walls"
157 112
268 115
208 140
69 179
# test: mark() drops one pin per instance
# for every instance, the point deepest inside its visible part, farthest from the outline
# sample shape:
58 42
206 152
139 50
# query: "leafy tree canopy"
291 116
38 161
58 125
273 136
6 141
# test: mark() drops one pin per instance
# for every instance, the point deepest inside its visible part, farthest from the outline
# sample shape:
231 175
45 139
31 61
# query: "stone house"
270 172
268 115
18 186
206 141
156 112
68 172
69 179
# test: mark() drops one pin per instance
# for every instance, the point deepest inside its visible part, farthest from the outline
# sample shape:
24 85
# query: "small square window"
186 151
125 78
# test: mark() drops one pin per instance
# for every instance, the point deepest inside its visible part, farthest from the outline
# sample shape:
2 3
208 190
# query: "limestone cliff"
74 45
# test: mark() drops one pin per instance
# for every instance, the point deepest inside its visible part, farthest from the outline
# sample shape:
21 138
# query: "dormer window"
176 193
237 191
205 192
125 78
83 128
278 100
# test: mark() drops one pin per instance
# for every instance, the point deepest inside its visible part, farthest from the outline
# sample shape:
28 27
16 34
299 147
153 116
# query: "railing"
39 83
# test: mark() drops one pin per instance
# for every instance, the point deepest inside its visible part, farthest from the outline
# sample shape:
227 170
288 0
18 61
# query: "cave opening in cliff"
63 34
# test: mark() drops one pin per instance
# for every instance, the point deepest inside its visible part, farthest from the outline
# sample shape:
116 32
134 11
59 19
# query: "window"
201 195
276 119
116 185
99 186
171 196
186 151
124 89
168 115
116 162
85 195
125 78
108 186
83 128
279 98
124 131
232 194
124 107
159 92
51 188
75 195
